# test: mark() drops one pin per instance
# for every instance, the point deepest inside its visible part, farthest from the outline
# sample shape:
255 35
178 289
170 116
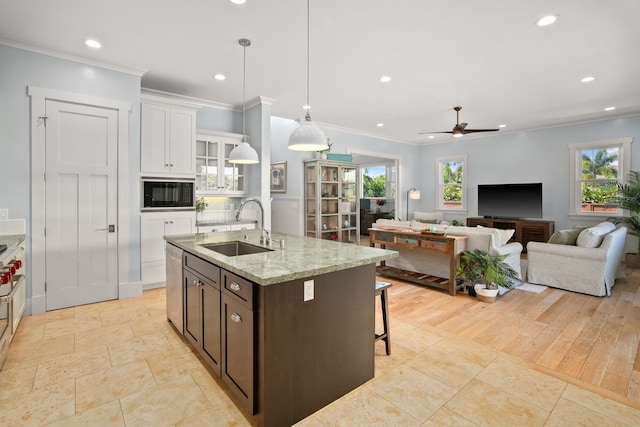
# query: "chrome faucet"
264 233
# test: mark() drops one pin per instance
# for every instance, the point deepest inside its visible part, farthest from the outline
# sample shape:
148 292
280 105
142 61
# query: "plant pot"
632 260
471 290
484 294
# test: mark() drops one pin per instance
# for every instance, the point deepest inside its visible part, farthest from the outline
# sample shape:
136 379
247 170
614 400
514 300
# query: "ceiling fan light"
244 154
308 137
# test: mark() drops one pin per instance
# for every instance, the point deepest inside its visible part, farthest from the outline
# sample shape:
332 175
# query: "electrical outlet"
308 290
4 213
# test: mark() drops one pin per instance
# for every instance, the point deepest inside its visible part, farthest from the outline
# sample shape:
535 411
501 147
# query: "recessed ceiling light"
502 126
92 43
219 77
385 79
587 79
547 20
238 1
380 125
306 107
610 108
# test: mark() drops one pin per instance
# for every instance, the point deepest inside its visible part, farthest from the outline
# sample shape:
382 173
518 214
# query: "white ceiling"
488 56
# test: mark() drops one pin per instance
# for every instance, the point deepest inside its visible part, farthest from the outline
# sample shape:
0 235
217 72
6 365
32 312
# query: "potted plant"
200 205
628 198
487 272
323 153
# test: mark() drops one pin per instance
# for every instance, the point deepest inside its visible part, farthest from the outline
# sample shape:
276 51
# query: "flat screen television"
510 200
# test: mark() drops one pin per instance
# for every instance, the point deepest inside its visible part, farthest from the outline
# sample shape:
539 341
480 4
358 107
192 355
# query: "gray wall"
343 142
20 69
533 156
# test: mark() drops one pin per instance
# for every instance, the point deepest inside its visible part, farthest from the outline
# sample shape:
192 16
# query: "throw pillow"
592 237
505 236
566 237
428 216
502 235
427 221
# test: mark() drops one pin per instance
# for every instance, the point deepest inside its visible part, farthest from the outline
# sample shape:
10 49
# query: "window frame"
439 184
390 180
575 172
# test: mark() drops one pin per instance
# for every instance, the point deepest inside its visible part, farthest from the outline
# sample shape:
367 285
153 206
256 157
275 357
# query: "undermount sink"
235 248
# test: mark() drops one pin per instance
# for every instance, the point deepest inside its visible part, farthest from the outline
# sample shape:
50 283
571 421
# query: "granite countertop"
302 256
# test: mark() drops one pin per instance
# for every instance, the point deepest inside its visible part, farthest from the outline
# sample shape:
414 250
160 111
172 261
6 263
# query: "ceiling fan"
460 128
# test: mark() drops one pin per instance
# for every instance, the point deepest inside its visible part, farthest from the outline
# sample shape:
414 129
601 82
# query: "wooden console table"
428 242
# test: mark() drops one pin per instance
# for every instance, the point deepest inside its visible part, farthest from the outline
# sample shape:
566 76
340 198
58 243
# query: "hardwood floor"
592 340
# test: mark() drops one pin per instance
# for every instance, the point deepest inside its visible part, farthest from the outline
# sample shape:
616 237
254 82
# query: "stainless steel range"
12 289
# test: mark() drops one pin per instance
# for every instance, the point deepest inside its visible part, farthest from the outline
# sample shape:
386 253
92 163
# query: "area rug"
530 287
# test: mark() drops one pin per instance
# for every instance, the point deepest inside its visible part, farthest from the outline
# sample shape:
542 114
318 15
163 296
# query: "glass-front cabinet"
214 174
332 208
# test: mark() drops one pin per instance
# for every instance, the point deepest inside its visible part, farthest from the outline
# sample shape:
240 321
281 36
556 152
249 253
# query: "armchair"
590 271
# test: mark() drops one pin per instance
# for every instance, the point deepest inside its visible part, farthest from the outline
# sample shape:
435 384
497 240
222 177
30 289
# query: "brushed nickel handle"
234 286
236 318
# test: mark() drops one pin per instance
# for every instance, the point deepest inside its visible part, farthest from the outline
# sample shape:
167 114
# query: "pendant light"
243 153
308 137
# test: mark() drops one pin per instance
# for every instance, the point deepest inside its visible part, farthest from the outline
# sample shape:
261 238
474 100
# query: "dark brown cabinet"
368 218
202 309
525 230
281 355
237 349
219 323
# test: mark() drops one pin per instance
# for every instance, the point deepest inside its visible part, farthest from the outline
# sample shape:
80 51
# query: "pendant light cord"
308 115
244 84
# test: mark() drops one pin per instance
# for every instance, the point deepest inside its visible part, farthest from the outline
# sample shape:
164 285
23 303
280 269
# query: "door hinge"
45 286
44 119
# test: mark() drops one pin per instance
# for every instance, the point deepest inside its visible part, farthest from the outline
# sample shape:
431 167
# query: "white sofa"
493 240
590 268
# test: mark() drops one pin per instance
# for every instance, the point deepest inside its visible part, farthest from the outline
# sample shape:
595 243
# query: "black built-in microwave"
168 194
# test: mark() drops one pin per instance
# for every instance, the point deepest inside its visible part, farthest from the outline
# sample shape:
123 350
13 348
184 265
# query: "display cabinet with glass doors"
215 175
331 205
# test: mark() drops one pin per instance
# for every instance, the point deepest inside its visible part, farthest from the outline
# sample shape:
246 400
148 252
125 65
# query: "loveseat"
493 240
582 260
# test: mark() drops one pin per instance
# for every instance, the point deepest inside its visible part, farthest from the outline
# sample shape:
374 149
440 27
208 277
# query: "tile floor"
119 363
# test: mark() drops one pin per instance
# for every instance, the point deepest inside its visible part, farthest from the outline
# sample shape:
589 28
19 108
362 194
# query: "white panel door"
81 204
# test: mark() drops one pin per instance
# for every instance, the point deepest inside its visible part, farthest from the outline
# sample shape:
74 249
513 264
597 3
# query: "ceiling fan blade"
462 125
480 130
426 133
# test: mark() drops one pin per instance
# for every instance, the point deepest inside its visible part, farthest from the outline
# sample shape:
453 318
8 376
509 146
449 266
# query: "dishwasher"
174 287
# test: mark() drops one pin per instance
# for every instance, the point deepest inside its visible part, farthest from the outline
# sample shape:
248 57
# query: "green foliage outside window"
452 179
373 186
599 175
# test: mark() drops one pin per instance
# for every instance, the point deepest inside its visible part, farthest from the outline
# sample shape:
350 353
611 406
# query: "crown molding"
70 57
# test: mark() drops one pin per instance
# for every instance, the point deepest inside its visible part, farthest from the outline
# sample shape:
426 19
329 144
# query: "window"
378 181
451 186
596 168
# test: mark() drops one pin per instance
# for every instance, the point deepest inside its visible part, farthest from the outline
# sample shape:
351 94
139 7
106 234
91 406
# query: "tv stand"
526 230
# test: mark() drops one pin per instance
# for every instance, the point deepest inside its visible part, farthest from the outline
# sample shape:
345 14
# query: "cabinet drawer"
239 287
204 268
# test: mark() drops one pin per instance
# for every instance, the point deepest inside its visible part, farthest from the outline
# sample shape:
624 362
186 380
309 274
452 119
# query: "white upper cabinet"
167 139
215 175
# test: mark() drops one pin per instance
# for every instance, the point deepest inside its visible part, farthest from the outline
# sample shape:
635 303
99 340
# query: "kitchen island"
296 325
